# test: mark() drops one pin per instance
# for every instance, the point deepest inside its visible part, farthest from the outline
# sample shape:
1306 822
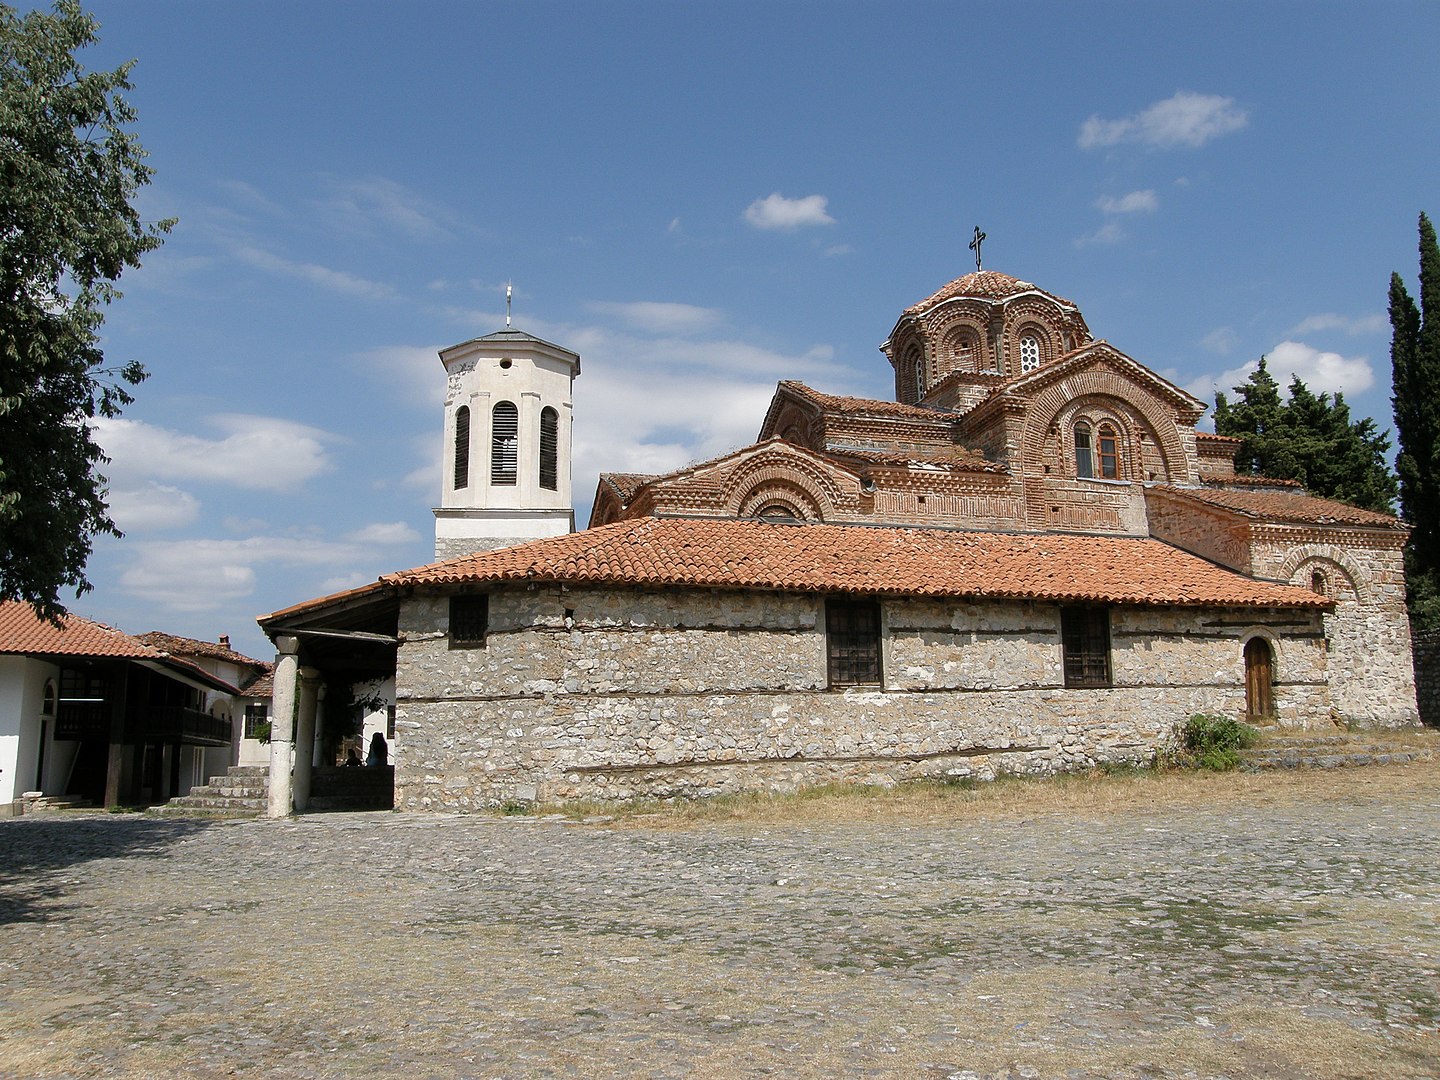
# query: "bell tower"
506 461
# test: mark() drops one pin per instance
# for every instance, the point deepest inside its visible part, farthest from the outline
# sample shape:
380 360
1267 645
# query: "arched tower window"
1317 582
1084 453
1108 452
549 448
1029 353
504 443
47 701
462 446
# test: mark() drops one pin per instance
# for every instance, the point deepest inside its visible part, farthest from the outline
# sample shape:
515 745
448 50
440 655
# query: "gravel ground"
1256 935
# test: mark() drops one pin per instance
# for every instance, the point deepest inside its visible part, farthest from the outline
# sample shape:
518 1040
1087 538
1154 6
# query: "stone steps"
1322 750
243 792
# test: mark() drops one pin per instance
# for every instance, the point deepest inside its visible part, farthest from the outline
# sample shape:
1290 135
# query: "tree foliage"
1309 438
68 172
1415 366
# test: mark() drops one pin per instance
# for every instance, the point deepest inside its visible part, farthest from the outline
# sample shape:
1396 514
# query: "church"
1030 561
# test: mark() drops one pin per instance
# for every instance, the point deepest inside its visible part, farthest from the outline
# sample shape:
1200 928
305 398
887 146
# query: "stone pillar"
282 724
305 735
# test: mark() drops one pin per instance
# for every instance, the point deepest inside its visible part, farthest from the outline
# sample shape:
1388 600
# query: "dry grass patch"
1096 793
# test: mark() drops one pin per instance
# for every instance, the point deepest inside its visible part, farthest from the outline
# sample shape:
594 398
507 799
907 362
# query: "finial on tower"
508 292
975 246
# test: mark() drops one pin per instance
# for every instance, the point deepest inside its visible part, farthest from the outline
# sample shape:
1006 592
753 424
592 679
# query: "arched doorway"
1259 680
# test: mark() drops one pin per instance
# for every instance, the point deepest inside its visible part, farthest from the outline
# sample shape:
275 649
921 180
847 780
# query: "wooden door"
1259 680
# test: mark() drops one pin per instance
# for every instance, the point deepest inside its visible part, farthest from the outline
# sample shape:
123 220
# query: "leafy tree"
68 171
1415 364
1309 438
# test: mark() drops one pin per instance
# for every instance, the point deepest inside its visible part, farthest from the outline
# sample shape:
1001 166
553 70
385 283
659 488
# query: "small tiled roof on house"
1287 508
23 632
262 686
984 285
183 646
748 554
854 406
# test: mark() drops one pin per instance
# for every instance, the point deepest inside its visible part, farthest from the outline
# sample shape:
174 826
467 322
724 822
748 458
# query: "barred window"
549 448
504 443
462 446
1085 644
257 721
469 621
852 638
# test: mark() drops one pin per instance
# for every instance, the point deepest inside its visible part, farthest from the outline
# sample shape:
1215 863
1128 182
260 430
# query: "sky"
701 199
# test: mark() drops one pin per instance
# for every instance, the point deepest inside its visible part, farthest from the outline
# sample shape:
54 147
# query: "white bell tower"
507 443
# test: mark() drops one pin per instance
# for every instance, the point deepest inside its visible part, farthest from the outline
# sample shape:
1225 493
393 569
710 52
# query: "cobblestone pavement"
1268 936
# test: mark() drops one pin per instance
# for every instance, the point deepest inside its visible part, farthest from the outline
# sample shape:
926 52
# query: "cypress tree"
1415 363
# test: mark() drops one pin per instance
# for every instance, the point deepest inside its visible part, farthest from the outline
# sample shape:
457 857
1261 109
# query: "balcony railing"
148 723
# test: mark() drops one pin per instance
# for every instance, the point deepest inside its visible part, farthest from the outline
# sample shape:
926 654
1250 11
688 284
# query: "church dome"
989 285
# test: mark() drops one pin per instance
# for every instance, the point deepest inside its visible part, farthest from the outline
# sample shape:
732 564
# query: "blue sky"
700 199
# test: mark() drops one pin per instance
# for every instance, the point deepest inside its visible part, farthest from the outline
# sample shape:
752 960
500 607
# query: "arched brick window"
549 448
462 446
1317 582
1084 452
1029 353
921 382
504 443
1107 447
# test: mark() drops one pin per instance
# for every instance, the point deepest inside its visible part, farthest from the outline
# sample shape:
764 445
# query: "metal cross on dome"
975 246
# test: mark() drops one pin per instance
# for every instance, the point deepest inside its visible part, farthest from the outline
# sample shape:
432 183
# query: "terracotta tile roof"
1222 482
729 553
960 459
1287 508
854 406
262 686
183 646
983 285
22 632
1211 437
625 485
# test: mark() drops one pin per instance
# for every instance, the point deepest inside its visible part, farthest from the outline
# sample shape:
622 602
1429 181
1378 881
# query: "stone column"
282 724
305 734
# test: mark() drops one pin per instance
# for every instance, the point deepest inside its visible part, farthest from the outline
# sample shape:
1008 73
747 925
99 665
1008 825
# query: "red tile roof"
730 553
983 285
854 406
960 459
183 646
1283 507
625 485
23 632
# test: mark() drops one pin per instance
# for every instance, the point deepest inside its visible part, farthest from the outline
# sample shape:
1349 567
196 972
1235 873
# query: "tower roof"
988 285
513 338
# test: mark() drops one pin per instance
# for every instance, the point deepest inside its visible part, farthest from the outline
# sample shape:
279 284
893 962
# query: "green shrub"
1214 742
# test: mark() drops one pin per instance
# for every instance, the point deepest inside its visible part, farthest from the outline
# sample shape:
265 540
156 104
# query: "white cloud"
1186 119
1221 340
777 212
661 318
1354 325
1136 202
414 371
1321 372
258 453
152 507
384 533
373 201
1109 233
324 277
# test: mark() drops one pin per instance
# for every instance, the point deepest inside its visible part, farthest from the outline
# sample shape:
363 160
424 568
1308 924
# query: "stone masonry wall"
1427 675
612 693
1372 673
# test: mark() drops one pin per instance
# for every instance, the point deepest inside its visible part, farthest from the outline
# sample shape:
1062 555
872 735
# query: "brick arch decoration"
968 330
1334 560
1033 317
785 478
798 502
1051 400
1096 411
796 424
912 357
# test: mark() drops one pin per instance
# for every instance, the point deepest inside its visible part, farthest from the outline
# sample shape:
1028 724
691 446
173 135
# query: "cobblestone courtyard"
1285 926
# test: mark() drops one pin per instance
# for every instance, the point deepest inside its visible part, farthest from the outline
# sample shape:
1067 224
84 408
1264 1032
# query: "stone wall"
1427 676
610 693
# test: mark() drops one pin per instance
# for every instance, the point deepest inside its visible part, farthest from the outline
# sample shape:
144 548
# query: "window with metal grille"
549 448
1029 353
257 721
462 446
504 443
469 621
1085 643
852 640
